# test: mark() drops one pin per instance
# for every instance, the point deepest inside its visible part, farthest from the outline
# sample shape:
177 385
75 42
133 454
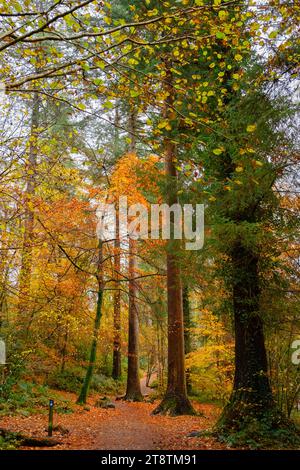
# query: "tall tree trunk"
251 395
133 390
116 370
187 332
4 276
93 351
24 306
175 401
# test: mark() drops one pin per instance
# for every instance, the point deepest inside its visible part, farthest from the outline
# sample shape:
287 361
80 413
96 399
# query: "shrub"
68 381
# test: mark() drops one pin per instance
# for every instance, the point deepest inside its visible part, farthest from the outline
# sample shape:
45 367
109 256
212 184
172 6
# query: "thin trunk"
116 370
24 309
132 129
133 390
93 352
159 358
64 349
150 366
176 401
187 332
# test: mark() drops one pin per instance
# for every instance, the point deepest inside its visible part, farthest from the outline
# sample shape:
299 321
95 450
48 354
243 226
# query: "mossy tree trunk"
251 396
93 351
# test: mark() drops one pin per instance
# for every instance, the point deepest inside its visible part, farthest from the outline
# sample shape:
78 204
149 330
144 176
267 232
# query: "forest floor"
130 426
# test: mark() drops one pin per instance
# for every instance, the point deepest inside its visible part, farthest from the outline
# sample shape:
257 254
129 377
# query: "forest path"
144 389
130 426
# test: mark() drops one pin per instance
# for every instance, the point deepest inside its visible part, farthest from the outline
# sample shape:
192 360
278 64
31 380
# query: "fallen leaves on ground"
128 426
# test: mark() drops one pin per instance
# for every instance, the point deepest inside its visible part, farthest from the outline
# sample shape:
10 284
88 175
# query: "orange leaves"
133 176
100 429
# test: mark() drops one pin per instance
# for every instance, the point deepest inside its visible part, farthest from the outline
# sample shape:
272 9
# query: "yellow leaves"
107 20
242 151
28 52
239 169
223 15
251 127
100 64
175 71
176 52
133 61
108 104
153 12
134 93
238 57
164 125
254 26
185 43
218 151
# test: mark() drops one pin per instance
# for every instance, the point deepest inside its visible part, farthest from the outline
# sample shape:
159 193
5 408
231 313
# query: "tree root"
133 396
173 405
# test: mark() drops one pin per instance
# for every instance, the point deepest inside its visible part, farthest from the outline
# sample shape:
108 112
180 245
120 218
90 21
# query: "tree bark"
175 401
251 395
133 390
93 352
24 310
187 333
116 370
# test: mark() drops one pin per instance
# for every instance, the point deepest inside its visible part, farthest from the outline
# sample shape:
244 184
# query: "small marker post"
50 424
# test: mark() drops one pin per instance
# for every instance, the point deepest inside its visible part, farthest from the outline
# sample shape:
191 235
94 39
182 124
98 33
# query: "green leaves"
108 104
220 35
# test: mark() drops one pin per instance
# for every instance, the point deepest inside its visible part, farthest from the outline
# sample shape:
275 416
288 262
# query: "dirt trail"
144 389
129 426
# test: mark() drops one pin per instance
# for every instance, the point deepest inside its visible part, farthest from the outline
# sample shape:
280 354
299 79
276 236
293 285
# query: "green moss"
174 405
269 430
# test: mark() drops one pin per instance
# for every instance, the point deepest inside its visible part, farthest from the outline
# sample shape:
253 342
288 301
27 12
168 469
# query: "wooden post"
50 424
